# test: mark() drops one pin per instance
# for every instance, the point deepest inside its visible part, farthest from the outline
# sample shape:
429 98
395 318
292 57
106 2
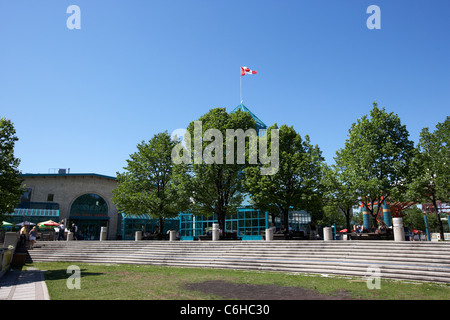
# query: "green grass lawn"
147 282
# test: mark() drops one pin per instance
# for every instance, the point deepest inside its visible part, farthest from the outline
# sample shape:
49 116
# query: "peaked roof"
259 123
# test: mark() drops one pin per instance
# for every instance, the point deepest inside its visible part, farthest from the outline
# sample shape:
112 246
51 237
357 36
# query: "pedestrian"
23 235
74 230
62 230
32 237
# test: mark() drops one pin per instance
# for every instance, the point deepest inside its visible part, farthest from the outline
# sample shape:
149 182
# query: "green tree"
147 187
414 219
431 169
210 176
339 193
375 160
10 182
332 215
296 185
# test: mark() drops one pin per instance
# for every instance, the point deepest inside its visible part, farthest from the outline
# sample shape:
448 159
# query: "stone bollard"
399 230
138 236
269 234
215 232
69 236
103 232
327 234
172 235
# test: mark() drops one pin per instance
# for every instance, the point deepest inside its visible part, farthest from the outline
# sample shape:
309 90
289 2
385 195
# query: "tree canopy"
375 160
10 182
297 183
431 168
146 187
213 180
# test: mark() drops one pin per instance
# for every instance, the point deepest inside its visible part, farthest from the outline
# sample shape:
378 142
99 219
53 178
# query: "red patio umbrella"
49 223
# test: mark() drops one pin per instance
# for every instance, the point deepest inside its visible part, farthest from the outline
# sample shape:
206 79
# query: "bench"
371 236
224 236
230 236
158 236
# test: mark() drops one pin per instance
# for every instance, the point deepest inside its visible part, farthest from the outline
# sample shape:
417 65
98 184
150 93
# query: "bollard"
138 236
399 230
173 235
269 234
69 236
327 234
103 232
215 232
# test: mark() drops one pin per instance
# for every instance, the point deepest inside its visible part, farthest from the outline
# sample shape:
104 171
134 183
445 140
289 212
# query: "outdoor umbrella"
49 223
6 224
25 223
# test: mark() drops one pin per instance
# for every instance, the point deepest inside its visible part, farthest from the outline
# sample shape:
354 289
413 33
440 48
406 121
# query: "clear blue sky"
83 99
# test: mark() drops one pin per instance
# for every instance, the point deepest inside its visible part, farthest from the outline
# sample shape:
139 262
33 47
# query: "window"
50 197
89 205
26 197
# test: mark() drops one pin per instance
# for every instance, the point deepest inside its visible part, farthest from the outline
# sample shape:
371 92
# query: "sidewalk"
23 285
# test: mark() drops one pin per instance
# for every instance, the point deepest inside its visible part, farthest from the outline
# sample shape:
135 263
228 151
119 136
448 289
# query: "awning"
35 213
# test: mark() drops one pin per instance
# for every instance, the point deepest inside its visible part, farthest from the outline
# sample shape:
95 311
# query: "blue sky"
83 99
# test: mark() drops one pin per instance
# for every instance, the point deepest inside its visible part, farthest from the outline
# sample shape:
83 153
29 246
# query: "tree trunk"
286 220
438 216
221 220
347 219
161 225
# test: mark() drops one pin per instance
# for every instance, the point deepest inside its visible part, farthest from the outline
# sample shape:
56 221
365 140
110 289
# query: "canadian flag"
245 70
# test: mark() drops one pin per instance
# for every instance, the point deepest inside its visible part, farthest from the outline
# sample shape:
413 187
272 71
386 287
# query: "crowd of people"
382 228
29 237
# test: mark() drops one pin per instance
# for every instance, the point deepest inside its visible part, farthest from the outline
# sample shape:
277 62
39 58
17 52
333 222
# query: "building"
86 200
80 198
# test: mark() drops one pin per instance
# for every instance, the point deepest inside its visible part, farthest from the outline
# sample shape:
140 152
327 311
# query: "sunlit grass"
148 282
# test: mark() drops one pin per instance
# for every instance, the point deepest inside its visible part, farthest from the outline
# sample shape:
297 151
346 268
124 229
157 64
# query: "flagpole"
240 87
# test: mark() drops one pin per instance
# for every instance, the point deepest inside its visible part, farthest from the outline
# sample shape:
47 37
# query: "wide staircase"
422 261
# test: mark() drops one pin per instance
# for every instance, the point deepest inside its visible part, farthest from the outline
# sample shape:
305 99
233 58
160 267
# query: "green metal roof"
259 123
66 175
35 212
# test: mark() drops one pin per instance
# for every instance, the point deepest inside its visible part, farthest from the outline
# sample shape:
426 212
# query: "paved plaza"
23 285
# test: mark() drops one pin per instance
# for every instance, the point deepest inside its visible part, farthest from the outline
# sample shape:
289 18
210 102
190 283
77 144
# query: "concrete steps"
423 261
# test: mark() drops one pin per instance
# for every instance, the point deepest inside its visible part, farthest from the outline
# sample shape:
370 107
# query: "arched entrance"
89 212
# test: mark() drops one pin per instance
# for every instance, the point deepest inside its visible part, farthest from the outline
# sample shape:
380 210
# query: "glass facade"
89 212
132 223
89 205
248 224
298 220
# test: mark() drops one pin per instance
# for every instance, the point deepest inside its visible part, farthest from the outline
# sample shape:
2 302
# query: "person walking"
62 230
32 237
74 230
23 235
